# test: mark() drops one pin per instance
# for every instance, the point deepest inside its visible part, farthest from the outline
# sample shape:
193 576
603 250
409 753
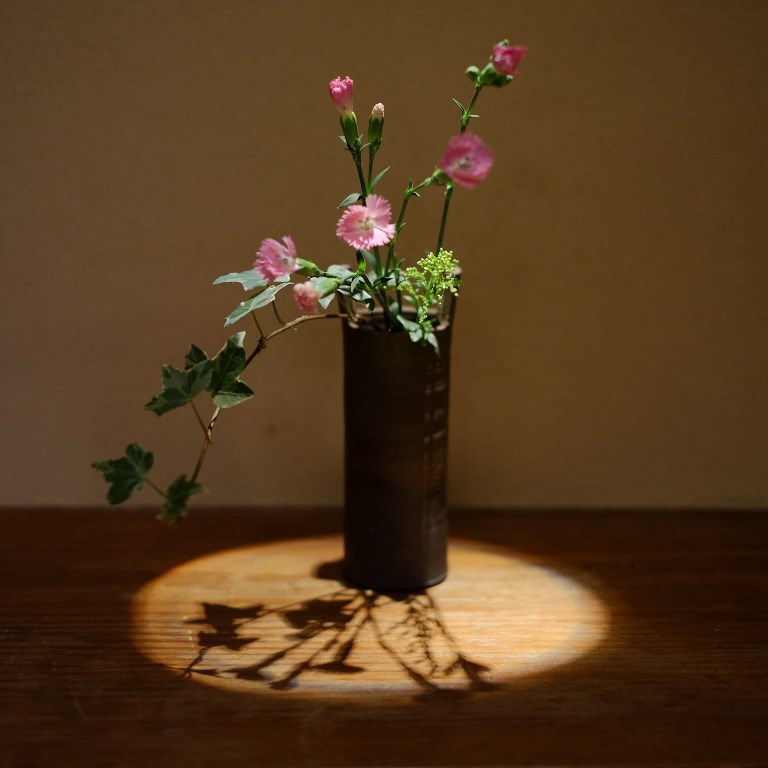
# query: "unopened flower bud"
376 126
308 268
342 91
506 58
350 130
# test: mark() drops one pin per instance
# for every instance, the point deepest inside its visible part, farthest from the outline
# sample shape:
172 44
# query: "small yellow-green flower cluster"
432 276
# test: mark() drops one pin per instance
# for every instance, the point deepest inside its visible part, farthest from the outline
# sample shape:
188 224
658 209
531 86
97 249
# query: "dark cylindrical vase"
396 438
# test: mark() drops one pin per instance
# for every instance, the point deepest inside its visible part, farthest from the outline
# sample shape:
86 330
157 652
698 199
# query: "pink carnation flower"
366 226
506 58
342 91
274 259
306 295
467 160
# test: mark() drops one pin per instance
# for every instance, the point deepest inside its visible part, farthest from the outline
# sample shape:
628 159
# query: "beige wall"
611 338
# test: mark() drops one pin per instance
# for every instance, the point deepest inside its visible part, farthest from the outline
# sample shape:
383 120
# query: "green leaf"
177 497
349 199
460 105
415 331
226 389
267 296
249 279
179 387
232 394
126 474
194 356
342 271
378 178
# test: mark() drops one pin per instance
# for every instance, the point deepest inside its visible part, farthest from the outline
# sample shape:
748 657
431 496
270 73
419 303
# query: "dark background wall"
611 338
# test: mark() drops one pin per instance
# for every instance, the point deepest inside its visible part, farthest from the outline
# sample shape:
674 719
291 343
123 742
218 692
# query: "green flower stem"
410 191
371 155
467 116
448 195
381 295
360 174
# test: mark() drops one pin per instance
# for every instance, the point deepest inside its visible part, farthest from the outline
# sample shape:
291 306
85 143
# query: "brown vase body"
396 396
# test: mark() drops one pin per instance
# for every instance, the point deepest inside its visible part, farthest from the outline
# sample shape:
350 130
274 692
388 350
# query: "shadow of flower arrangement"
343 633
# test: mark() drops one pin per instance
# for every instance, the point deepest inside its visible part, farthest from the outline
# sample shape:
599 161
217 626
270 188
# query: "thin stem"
371 155
208 430
410 191
303 319
152 485
197 414
360 175
258 326
448 195
277 314
207 440
467 116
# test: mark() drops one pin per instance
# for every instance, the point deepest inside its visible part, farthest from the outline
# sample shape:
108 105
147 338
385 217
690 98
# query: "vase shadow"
342 632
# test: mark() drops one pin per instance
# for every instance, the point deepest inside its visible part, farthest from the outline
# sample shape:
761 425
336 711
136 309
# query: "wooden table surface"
561 638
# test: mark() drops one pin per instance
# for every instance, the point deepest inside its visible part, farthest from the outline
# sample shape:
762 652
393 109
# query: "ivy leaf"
249 279
226 389
126 474
267 296
349 199
232 394
179 387
177 497
194 356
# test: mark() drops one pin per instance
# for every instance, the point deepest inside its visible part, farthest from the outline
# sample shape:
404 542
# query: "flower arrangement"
396 297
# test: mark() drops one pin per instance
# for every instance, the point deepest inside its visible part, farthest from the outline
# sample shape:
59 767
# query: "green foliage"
249 279
217 376
225 387
126 473
349 200
179 387
261 299
379 176
177 497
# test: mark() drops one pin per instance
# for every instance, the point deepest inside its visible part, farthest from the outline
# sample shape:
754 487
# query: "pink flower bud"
306 295
342 92
506 58
376 127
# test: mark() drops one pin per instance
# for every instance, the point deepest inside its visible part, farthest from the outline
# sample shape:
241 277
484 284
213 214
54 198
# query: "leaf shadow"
325 635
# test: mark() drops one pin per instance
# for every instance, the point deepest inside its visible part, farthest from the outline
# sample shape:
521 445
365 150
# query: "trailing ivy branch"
220 377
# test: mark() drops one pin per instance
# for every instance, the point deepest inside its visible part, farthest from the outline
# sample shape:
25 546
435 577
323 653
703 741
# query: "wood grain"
103 610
